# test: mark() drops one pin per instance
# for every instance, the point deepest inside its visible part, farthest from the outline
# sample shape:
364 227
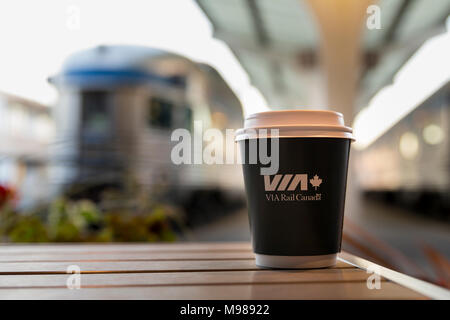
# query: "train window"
160 113
95 114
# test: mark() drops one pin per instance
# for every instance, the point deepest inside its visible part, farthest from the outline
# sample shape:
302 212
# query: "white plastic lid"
296 123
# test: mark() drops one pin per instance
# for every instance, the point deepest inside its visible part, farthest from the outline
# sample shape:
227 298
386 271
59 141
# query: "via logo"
290 182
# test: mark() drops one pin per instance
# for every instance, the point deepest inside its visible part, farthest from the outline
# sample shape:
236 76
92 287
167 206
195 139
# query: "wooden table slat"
132 256
16 249
135 266
182 278
346 290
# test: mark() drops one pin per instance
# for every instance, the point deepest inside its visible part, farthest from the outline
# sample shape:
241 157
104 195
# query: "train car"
410 164
117 109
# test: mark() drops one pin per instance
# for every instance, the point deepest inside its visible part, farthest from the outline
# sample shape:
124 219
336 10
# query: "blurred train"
117 108
409 165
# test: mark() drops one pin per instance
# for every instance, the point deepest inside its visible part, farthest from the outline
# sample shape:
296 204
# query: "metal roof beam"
258 23
372 58
263 39
398 18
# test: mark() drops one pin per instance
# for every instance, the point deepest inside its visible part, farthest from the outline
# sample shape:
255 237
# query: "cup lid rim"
301 128
264 113
297 122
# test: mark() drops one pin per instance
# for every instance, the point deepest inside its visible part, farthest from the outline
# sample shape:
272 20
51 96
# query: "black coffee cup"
296 214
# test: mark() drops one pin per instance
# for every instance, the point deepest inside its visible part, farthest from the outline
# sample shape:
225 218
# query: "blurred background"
90 92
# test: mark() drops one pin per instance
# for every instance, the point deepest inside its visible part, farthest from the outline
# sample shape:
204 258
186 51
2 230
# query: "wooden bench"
188 271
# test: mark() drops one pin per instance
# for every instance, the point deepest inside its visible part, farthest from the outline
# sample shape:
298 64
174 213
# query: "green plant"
118 216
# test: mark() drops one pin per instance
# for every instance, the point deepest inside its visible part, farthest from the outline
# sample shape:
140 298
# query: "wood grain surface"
175 271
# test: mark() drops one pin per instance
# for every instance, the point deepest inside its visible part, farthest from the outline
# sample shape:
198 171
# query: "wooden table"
187 271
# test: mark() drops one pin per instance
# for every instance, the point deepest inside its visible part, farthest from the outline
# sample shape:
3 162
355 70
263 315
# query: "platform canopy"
279 43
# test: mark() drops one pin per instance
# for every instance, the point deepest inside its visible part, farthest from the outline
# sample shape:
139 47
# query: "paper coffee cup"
296 214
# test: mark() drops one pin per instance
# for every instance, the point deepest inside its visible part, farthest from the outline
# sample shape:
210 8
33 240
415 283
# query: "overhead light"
409 145
421 76
433 134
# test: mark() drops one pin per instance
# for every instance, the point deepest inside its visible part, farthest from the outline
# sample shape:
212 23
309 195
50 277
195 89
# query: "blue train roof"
123 66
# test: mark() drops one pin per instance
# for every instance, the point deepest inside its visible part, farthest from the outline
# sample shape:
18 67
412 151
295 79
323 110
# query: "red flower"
6 194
